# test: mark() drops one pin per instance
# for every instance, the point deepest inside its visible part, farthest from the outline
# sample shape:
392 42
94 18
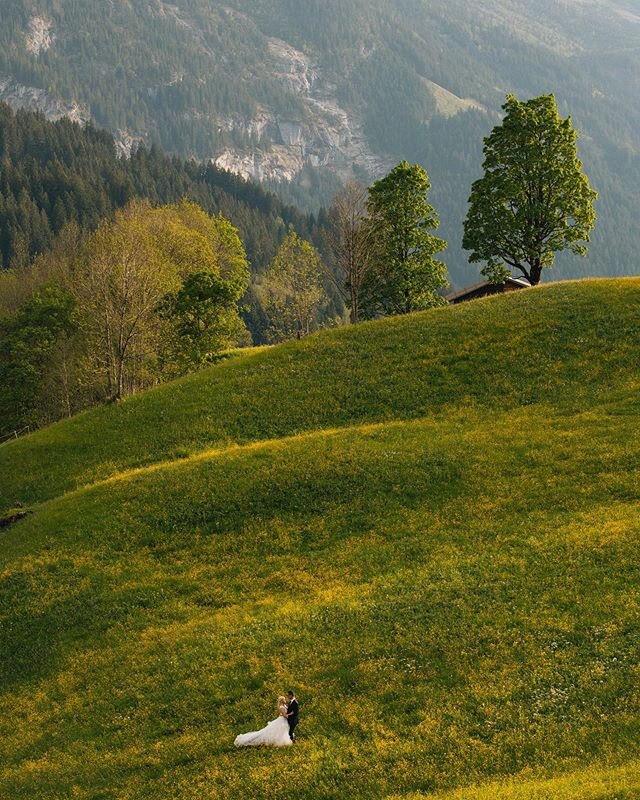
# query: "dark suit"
293 717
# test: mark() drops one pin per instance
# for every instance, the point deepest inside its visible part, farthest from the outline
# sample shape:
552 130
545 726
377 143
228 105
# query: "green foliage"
53 174
534 200
205 317
292 290
121 280
146 317
32 351
405 276
453 591
141 317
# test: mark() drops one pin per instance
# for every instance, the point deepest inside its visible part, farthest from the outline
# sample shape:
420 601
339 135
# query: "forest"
119 292
64 193
196 78
122 273
55 173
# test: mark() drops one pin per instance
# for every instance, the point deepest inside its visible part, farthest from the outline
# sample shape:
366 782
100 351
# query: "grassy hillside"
425 527
568 346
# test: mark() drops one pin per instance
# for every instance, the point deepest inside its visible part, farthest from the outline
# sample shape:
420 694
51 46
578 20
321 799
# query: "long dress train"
276 733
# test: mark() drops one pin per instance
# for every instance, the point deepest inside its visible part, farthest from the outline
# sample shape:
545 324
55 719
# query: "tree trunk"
354 304
66 394
120 391
535 274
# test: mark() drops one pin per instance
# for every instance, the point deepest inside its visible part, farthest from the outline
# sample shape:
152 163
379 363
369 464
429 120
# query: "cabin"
486 288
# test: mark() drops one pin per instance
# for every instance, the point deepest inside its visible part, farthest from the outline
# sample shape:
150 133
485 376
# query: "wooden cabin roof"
476 288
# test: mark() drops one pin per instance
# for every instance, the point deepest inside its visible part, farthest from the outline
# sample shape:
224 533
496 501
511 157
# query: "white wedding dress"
276 734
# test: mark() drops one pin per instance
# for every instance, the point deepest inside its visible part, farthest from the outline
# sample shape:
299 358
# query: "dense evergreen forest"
416 81
54 173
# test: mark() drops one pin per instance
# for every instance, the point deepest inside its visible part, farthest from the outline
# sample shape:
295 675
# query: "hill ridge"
493 350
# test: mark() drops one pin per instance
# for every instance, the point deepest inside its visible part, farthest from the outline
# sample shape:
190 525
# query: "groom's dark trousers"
293 719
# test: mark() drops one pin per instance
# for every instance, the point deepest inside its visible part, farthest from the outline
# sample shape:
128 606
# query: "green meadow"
427 526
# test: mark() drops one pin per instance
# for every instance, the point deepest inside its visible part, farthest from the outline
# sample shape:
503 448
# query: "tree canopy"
405 276
534 199
293 290
151 294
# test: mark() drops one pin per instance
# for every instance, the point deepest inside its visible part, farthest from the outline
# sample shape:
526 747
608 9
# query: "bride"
276 733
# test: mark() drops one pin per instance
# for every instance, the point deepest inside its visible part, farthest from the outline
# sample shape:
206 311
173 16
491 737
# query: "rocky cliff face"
39 36
325 135
19 96
328 135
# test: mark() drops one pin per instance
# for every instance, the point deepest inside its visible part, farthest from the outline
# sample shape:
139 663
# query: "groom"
292 707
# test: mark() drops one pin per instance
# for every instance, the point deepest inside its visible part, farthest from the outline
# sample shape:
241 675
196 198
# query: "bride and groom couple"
279 732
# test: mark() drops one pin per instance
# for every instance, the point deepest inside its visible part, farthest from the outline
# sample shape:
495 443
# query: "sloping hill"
427 529
563 346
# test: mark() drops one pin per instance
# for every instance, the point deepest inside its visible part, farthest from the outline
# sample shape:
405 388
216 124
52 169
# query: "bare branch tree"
351 239
125 279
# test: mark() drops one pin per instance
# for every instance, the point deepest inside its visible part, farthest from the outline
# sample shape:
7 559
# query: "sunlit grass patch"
510 351
592 783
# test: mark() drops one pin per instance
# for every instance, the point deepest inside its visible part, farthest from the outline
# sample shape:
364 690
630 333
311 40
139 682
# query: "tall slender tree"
351 239
124 280
292 290
33 346
534 200
405 275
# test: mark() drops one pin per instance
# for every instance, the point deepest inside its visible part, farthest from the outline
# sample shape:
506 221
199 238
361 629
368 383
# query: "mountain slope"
444 566
281 91
54 173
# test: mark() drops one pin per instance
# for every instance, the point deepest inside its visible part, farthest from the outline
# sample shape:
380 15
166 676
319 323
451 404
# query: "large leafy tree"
534 200
33 348
292 290
405 275
124 278
143 314
204 316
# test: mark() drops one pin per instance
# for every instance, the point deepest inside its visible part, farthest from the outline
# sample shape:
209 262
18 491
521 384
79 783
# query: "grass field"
427 526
